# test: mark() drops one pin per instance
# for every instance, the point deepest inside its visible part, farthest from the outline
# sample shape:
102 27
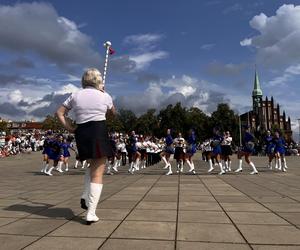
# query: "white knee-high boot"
221 169
59 166
240 169
229 166
284 164
76 164
67 166
115 167
279 164
190 165
93 199
211 168
254 171
86 189
45 167
165 161
170 170
49 172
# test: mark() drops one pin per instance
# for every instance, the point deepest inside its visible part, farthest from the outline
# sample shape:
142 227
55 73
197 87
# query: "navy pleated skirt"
92 140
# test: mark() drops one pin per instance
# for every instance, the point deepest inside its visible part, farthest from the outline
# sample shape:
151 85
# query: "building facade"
266 114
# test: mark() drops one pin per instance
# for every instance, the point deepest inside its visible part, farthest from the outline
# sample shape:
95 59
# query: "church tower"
256 94
257 101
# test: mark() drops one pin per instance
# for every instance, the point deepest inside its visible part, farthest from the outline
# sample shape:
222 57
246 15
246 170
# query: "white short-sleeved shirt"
89 104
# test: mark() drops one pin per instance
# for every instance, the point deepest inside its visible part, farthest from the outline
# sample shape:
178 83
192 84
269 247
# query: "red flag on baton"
111 51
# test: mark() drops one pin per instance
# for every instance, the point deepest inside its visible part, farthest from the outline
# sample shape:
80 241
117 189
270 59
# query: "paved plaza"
149 210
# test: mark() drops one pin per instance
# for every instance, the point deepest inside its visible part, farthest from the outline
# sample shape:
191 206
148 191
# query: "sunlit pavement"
149 210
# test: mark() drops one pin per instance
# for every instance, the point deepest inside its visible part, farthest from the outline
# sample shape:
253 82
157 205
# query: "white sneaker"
67 170
59 170
238 170
254 172
115 169
49 174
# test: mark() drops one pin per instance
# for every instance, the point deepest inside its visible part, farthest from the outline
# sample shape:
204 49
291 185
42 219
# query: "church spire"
257 92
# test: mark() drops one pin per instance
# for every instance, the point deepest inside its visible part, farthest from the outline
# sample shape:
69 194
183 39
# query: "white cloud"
144 50
288 75
208 46
190 91
37 27
144 60
279 35
66 89
15 96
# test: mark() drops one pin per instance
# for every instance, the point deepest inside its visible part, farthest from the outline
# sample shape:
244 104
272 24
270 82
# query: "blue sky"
197 52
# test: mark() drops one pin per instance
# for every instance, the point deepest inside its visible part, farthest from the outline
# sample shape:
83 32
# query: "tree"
114 122
52 122
226 119
128 119
3 127
197 120
147 123
173 117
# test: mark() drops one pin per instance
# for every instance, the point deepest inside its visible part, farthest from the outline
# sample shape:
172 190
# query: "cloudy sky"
200 53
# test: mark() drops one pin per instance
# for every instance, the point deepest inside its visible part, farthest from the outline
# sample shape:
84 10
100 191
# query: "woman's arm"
61 112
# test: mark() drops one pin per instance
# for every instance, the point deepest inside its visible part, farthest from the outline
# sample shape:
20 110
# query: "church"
266 114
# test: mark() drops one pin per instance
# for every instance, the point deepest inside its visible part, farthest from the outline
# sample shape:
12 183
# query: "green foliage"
3 127
52 122
178 119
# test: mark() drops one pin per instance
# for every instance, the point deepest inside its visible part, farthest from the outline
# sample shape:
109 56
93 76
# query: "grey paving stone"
293 218
208 232
203 216
4 221
244 207
125 244
79 229
65 243
256 218
157 205
273 199
194 205
233 199
117 204
152 215
262 234
146 230
15 242
181 245
274 247
31 227
198 198
163 198
284 207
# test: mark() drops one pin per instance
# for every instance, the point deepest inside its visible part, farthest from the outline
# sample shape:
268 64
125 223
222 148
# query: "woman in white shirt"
90 106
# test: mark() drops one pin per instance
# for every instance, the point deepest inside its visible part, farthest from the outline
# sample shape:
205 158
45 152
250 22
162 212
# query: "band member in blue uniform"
179 154
46 148
66 145
226 150
270 146
55 153
135 154
168 151
280 151
216 149
246 150
191 150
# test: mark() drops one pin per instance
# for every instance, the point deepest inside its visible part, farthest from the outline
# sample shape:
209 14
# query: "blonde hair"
92 77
